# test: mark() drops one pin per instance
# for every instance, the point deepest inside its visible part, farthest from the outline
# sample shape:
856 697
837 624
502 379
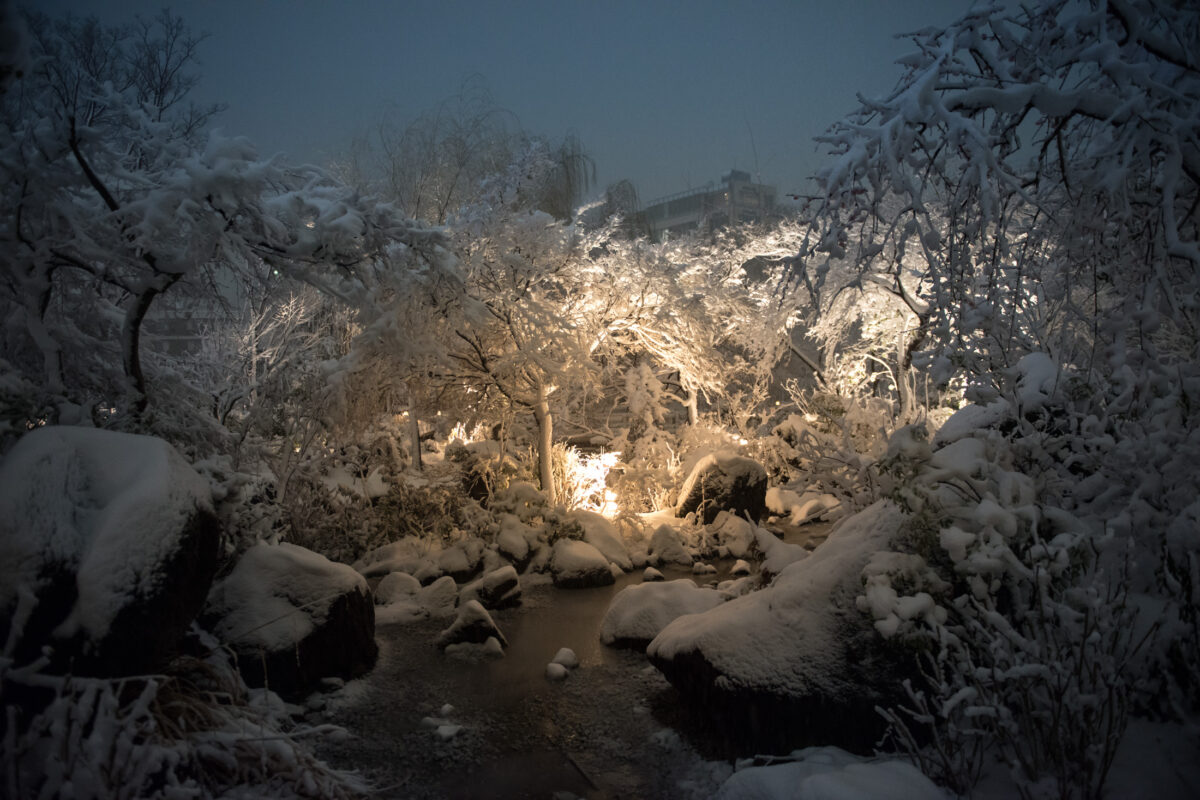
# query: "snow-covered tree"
1034 173
113 195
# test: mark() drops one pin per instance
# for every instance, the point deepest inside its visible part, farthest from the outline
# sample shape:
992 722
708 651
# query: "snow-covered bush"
1022 576
193 732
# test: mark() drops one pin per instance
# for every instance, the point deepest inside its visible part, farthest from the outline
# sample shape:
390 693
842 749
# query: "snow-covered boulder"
395 587
639 613
734 533
604 536
829 772
500 588
666 547
724 482
108 546
578 565
650 575
462 560
799 649
408 554
515 540
473 625
294 617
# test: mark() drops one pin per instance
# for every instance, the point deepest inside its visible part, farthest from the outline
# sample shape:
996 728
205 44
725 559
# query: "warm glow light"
743 442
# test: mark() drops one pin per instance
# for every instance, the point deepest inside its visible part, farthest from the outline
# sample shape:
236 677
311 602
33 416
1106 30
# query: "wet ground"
607 731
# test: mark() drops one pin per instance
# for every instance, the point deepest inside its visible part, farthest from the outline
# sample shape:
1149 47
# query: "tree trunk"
693 405
414 437
545 425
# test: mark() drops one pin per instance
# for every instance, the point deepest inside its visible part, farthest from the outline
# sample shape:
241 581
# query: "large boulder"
578 565
108 546
294 617
798 657
724 482
639 613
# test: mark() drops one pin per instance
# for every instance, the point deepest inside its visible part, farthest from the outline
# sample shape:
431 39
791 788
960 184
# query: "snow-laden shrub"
194 732
1022 573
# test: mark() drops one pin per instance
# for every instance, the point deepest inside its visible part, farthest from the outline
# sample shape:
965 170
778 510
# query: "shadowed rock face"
109 549
721 482
342 646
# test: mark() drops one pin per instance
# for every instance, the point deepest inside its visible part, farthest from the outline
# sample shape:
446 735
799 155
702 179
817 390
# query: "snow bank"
829 773
638 613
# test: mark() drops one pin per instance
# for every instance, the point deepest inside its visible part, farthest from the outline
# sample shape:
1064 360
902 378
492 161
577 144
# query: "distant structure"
736 199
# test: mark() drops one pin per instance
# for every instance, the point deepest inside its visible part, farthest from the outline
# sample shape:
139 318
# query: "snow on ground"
829 773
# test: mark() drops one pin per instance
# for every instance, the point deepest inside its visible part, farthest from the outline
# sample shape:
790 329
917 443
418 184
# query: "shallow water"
593 735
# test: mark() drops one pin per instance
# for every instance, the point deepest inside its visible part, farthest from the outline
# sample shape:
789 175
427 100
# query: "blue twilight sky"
668 94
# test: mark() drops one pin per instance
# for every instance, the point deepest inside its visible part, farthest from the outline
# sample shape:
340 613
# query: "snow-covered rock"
723 482
294 617
740 568
666 547
556 672
108 546
604 536
651 574
833 774
513 540
578 565
439 597
500 588
408 554
776 553
799 508
734 533
473 624
639 613
396 586
461 561
566 656
798 649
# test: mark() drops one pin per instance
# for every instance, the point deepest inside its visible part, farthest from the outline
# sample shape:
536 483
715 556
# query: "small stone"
566 656
446 710
740 567
651 574
447 732
556 672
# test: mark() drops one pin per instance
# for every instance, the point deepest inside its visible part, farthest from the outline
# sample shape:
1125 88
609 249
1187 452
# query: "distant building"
737 199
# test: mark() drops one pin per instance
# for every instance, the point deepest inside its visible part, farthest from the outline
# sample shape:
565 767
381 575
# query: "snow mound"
666 547
396 586
828 773
639 612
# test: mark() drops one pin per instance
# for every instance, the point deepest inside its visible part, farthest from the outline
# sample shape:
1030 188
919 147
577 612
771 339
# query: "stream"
607 731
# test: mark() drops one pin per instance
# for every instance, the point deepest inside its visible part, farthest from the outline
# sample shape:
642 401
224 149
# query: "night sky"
668 94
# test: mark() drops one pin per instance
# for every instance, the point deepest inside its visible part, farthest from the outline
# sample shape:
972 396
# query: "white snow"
603 535
666 547
566 656
396 586
828 773
276 593
111 506
573 559
780 639
641 611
